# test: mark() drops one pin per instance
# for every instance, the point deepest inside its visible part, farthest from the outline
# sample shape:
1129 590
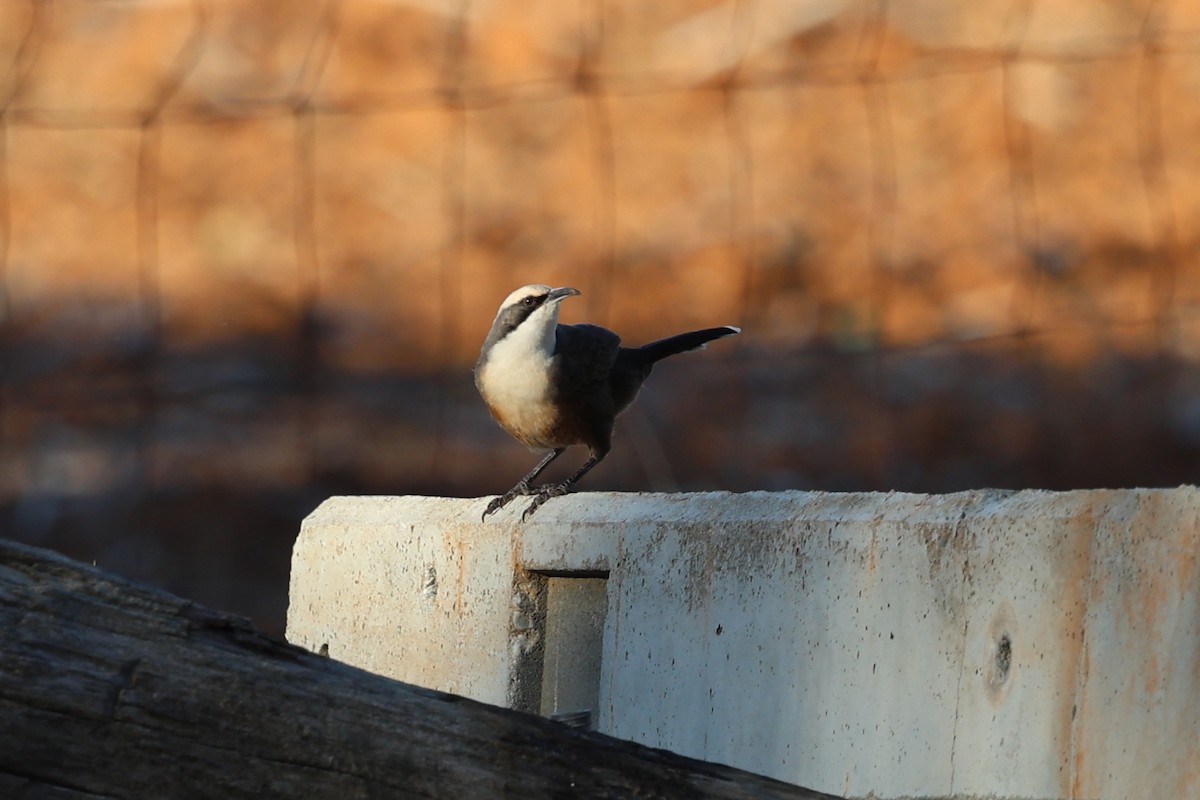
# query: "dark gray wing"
583 357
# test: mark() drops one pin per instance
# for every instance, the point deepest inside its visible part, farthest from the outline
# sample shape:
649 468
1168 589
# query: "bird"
552 386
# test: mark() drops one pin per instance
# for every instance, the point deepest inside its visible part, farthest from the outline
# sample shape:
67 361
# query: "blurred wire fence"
248 251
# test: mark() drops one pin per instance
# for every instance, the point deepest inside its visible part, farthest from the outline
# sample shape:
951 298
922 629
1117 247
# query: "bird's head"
532 310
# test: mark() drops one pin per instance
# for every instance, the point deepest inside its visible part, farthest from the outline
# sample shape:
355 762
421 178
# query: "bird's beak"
561 293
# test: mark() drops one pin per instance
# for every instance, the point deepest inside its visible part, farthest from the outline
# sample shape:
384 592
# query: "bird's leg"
559 489
523 485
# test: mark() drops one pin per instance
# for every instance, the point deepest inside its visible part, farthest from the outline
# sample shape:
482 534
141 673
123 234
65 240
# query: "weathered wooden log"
110 688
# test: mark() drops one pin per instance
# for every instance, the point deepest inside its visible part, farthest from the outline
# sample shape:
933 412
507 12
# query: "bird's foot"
542 494
520 490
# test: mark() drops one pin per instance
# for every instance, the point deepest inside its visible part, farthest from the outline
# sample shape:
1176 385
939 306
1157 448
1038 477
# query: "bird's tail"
684 342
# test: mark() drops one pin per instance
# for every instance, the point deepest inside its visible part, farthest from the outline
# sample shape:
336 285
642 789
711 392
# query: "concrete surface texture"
980 644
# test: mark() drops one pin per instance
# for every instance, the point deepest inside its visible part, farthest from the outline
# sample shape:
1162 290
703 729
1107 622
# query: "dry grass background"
248 251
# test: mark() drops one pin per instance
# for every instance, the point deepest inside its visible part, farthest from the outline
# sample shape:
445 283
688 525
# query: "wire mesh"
257 245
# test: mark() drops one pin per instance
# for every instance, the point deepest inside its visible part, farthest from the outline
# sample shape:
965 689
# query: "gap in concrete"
575 613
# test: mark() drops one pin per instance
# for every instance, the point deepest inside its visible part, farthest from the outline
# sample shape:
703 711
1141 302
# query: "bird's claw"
541 496
494 506
500 502
534 506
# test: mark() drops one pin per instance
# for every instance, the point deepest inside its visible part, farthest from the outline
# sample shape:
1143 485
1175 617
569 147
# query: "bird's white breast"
515 383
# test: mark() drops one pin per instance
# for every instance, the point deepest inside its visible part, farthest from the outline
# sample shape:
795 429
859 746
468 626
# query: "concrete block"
392 585
1020 645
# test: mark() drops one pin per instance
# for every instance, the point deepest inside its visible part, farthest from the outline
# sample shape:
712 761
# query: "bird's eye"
528 302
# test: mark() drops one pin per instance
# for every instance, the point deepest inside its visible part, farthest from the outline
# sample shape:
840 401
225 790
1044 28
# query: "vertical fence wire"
588 85
880 217
17 73
1158 195
453 103
309 324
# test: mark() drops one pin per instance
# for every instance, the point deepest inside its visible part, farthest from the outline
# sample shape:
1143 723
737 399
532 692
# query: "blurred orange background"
248 252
